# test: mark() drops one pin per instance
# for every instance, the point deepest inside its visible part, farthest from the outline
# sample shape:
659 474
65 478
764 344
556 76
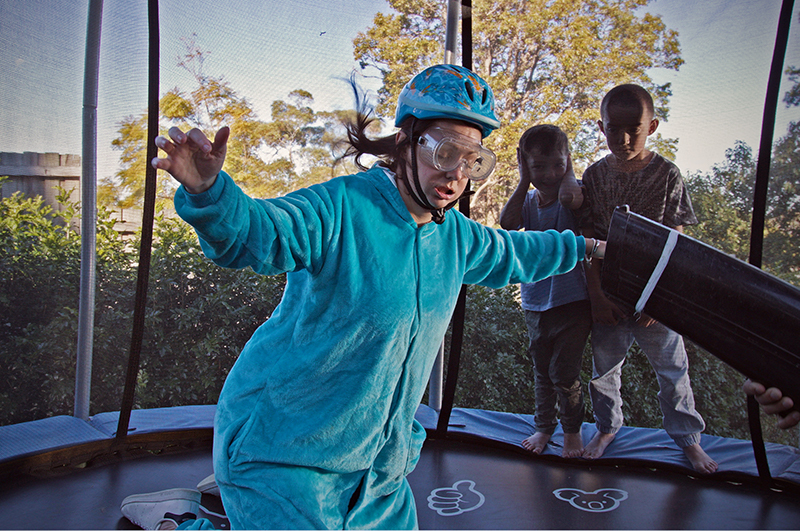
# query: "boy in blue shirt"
557 309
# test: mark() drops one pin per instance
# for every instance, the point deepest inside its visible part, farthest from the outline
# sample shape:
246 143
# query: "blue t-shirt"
560 289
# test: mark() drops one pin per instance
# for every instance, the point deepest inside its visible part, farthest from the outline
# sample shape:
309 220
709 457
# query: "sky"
266 49
719 92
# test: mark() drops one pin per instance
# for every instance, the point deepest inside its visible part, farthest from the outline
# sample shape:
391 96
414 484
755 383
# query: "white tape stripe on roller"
672 240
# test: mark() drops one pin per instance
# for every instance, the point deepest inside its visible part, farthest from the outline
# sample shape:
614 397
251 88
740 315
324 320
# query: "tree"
723 201
297 148
780 242
548 61
39 280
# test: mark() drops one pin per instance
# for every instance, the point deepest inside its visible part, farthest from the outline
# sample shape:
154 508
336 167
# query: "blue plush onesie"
315 423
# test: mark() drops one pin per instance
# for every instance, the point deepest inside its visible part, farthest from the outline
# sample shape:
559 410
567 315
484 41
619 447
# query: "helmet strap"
437 214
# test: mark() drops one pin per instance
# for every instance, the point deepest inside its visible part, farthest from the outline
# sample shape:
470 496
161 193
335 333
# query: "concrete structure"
41 174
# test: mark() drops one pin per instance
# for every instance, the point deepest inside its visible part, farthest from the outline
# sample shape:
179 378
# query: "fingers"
523 169
601 250
176 135
221 138
773 402
753 388
789 421
197 140
616 313
193 141
605 311
772 405
168 146
771 396
605 317
160 164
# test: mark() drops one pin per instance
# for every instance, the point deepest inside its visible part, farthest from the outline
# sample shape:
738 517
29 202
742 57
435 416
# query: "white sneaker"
209 486
150 510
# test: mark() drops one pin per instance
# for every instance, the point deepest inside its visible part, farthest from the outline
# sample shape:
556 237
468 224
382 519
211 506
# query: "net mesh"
261 66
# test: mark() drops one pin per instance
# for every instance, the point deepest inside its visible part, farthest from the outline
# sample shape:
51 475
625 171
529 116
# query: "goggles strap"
417 194
437 214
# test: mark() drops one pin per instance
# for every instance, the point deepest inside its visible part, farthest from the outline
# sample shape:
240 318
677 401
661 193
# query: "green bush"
199 316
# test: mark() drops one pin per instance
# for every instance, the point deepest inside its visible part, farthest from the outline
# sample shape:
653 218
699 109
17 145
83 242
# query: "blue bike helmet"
448 91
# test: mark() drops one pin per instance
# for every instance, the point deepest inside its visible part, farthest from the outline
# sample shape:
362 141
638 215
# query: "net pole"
148 214
760 203
83 362
459 314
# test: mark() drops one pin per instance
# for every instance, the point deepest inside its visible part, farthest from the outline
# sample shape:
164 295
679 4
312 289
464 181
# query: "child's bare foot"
536 442
597 446
700 460
573 445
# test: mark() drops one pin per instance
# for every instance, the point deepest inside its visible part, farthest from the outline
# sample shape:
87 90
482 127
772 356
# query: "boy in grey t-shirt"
651 186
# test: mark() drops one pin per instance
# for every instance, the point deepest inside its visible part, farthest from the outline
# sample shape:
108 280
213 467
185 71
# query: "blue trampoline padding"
639 444
158 419
53 433
631 444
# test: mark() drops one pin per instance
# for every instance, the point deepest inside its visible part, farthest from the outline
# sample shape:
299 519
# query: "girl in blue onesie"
315 424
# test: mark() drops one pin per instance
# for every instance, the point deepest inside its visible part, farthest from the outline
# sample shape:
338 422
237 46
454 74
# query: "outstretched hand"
524 172
192 159
570 194
606 312
773 402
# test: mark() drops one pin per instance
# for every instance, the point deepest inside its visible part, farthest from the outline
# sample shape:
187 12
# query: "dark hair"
628 95
545 138
389 150
385 148
359 144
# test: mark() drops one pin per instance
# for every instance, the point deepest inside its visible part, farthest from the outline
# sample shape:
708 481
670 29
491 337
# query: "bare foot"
536 442
597 446
573 445
700 460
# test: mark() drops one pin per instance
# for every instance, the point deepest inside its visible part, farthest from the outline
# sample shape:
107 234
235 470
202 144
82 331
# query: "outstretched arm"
192 159
511 215
773 402
570 194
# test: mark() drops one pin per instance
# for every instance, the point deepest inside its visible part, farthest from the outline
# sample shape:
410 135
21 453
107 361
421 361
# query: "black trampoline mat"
520 491
499 489
90 498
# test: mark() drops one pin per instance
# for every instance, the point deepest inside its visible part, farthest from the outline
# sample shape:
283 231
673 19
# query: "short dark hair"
628 95
545 138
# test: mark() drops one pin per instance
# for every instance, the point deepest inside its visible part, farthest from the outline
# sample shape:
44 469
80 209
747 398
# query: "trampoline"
478 477
72 472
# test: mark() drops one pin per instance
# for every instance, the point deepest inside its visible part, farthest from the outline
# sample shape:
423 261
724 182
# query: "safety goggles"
447 150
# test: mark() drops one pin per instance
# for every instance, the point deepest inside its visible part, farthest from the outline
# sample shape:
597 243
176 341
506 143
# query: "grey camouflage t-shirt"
657 192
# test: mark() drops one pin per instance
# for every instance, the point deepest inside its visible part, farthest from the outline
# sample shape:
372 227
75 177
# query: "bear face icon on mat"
599 501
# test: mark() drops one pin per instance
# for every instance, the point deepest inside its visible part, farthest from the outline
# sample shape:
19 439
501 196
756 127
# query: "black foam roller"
744 316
